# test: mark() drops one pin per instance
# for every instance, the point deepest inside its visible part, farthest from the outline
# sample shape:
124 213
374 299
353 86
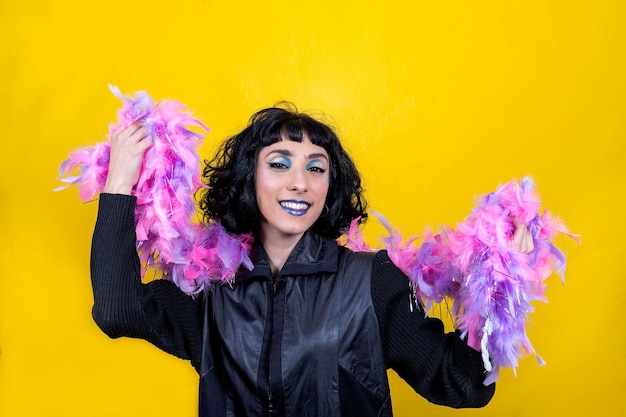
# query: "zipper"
270 400
270 404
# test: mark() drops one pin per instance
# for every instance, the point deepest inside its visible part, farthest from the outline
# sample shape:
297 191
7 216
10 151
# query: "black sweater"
440 367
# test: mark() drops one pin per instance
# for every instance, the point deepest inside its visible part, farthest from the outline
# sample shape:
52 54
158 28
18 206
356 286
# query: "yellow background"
438 102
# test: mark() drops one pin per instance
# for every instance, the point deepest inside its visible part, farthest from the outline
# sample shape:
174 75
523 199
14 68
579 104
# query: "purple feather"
190 254
489 283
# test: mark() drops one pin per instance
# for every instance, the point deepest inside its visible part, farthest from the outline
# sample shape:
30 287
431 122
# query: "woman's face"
291 186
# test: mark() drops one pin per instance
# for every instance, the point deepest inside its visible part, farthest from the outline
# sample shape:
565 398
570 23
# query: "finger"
136 137
525 241
522 246
518 238
530 243
140 132
127 132
145 142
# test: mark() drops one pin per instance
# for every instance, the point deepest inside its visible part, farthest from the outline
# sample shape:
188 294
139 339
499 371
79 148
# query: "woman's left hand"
523 239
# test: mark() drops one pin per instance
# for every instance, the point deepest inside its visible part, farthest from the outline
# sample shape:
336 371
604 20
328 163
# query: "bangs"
296 128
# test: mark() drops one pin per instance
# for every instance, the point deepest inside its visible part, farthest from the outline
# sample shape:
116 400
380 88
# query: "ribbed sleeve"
438 366
158 312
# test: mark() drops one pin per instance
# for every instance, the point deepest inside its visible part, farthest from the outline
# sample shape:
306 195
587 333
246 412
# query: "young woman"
312 329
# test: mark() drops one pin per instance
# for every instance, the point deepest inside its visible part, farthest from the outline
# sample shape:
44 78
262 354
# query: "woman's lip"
295 204
295 207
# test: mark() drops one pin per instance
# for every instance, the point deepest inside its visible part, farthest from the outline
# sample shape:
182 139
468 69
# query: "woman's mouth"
295 207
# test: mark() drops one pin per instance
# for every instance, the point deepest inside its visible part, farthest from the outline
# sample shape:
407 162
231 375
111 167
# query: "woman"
313 327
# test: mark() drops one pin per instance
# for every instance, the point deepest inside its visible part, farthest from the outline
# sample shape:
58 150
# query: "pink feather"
190 254
490 283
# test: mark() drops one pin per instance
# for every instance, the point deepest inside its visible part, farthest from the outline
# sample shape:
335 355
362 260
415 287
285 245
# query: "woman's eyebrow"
317 155
286 152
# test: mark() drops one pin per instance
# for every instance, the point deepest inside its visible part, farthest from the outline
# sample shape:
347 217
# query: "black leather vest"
304 344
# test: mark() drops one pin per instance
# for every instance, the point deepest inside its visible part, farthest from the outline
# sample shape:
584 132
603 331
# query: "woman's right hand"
126 156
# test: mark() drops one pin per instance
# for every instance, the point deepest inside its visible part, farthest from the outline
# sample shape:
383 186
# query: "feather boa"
490 283
191 255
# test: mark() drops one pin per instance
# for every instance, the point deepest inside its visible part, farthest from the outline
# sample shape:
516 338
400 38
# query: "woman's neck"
278 248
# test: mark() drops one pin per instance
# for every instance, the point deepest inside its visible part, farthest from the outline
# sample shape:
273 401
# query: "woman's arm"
157 312
438 366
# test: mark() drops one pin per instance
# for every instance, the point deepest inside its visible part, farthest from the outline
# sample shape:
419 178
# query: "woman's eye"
316 166
320 170
277 165
279 162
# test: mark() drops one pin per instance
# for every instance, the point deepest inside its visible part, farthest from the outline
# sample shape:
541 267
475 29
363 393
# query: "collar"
312 254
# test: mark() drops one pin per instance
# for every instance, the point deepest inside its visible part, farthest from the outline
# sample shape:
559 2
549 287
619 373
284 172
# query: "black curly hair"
230 197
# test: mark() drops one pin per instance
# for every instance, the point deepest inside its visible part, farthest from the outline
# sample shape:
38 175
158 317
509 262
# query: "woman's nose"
297 181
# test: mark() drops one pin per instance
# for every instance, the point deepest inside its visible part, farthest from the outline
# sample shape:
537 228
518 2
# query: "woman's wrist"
113 187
